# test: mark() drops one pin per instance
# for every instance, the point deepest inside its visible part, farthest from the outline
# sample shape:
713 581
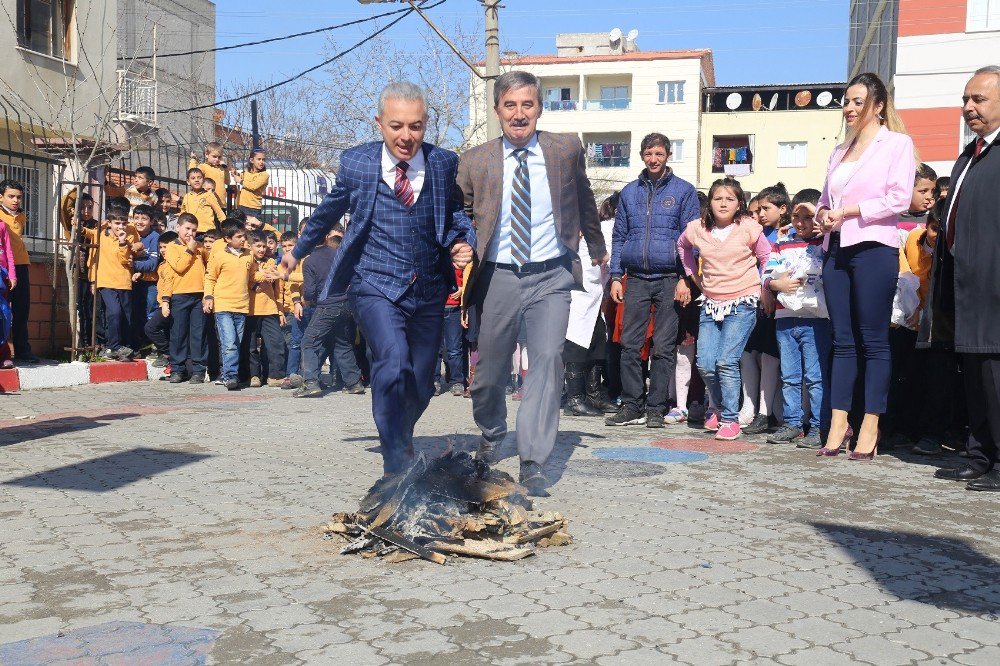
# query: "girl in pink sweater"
732 249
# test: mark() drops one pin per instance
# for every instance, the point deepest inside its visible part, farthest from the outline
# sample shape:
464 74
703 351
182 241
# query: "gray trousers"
503 298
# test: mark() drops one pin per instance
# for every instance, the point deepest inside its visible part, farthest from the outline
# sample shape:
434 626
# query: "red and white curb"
63 375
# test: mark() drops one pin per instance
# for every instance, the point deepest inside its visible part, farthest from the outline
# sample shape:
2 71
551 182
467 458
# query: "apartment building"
601 87
766 134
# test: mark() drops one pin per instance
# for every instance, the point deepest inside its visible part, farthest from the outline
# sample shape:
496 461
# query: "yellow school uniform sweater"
265 298
113 268
205 206
228 281
164 283
253 188
15 225
291 289
219 175
188 268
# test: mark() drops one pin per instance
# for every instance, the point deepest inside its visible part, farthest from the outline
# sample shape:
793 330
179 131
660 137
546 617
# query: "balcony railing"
608 154
136 98
607 104
561 105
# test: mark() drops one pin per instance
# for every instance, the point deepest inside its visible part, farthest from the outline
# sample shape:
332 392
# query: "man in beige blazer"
528 195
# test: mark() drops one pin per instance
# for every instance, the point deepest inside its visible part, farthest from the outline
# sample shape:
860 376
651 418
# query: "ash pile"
450 505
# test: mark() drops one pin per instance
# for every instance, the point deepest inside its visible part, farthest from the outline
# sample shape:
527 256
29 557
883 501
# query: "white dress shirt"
545 243
957 186
415 173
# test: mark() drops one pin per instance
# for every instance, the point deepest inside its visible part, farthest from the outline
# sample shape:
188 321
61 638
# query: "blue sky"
754 41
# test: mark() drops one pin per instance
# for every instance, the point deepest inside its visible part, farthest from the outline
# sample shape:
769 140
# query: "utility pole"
492 23
254 129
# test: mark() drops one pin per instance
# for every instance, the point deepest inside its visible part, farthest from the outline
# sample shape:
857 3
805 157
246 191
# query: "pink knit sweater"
730 269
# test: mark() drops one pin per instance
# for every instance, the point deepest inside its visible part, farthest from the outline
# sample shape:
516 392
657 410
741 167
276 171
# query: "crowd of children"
201 293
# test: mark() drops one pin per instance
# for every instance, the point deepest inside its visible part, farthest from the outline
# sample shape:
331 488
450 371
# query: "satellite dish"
615 35
802 98
824 98
757 102
773 103
733 101
632 35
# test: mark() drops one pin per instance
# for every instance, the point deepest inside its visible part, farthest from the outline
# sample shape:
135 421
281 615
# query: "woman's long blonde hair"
877 94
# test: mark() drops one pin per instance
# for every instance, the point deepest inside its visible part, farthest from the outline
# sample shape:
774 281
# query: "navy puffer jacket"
650 219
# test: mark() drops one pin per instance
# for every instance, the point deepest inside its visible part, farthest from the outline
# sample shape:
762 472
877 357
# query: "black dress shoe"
759 425
487 452
534 479
989 482
959 474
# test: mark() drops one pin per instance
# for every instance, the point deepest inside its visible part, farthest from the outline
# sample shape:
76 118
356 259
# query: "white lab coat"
585 306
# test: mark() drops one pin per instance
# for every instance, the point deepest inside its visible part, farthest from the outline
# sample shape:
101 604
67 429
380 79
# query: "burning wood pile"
450 505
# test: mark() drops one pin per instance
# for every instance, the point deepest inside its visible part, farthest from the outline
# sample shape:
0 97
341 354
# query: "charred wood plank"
404 543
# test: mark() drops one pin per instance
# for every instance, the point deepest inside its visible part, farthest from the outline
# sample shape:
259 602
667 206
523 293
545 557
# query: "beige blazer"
574 210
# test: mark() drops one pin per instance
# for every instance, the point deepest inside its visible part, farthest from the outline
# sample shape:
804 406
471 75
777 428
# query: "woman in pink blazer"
868 184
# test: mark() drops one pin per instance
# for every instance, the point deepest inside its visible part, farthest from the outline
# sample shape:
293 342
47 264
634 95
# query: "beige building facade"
762 135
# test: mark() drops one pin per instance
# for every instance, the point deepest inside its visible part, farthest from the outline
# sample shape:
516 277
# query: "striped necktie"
520 210
403 188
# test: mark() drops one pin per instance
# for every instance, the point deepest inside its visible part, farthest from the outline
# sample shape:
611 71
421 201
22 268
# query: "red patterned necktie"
403 188
953 214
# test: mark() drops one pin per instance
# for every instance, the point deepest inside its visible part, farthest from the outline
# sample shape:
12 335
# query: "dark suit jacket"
963 302
480 176
357 182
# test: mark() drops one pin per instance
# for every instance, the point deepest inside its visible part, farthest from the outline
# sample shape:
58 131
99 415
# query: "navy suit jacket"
357 182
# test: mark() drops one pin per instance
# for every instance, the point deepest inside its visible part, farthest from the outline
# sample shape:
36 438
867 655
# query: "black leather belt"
532 267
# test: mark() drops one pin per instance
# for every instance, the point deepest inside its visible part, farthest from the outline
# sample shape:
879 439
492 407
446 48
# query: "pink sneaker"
712 422
728 431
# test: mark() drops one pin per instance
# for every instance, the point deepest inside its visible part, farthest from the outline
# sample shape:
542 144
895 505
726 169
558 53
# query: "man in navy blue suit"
407 231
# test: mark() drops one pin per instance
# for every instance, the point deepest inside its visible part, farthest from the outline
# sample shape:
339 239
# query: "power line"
270 40
326 62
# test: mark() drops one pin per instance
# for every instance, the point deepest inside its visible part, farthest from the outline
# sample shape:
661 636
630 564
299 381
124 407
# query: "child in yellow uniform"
253 184
11 195
201 203
227 294
114 241
213 167
263 322
188 341
141 190
291 295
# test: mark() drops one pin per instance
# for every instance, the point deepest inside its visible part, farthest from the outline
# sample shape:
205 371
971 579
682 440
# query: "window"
45 26
559 99
671 92
612 154
31 203
732 155
677 150
792 154
614 97
984 15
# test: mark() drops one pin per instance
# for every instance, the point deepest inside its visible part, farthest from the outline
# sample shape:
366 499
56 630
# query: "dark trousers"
213 362
85 304
143 306
404 338
859 282
157 329
188 341
906 384
941 391
641 296
982 390
452 348
118 313
267 330
330 332
20 310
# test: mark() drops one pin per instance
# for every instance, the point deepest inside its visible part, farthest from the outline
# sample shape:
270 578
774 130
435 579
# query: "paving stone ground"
135 517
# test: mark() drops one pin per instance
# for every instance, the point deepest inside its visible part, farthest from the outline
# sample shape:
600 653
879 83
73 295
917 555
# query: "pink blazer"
881 186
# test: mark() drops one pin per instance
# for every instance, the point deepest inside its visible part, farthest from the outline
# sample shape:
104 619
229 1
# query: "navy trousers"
859 282
118 310
404 338
188 338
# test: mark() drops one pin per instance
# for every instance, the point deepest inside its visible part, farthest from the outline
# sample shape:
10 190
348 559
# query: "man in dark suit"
529 197
406 219
963 307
